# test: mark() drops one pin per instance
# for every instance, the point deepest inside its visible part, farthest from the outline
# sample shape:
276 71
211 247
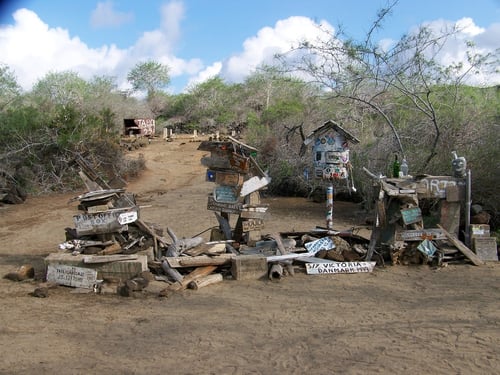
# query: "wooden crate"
485 247
249 267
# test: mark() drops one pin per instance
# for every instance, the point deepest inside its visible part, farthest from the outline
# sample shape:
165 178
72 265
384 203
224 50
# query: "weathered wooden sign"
228 178
420 235
341 267
324 243
225 194
232 208
101 222
252 224
127 217
435 186
411 215
239 163
253 184
77 277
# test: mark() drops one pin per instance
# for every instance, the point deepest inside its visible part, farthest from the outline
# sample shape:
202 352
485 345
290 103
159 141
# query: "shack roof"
328 125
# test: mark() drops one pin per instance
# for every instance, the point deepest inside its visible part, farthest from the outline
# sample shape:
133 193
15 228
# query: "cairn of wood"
238 178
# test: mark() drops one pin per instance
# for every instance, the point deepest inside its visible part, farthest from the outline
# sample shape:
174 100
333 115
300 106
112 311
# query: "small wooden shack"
330 150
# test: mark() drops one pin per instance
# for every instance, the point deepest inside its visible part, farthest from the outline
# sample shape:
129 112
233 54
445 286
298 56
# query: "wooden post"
467 235
329 207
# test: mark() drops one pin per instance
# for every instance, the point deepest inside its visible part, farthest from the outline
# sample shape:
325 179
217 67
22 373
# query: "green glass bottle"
395 167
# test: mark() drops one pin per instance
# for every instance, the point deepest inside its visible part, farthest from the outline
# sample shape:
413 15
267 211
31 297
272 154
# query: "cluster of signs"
232 168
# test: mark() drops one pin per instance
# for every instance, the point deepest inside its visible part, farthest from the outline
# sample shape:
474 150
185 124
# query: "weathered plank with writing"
341 267
232 208
436 186
77 277
420 234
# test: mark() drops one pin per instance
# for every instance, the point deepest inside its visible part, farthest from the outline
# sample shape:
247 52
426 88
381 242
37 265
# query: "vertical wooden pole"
329 207
467 208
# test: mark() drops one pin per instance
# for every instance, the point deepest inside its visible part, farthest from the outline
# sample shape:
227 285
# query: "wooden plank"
198 261
288 256
97 209
91 259
462 248
252 214
450 216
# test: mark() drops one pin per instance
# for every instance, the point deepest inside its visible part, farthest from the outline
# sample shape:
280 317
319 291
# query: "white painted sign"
77 277
127 217
339 267
253 184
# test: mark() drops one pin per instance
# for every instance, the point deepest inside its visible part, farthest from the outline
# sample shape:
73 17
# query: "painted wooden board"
411 215
77 277
228 178
225 194
239 163
104 222
232 208
436 186
252 224
325 243
253 184
420 234
340 267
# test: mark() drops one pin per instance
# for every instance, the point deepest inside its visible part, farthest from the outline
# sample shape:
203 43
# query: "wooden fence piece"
198 261
462 248
183 284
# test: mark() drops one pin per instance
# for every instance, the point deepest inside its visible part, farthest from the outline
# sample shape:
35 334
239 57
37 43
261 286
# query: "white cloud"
268 42
454 51
104 15
32 49
206 74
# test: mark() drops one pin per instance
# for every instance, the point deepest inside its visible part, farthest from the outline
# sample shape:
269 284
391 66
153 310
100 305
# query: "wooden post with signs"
238 179
330 152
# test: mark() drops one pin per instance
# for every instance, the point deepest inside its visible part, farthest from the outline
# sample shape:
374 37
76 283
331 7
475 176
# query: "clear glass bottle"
404 168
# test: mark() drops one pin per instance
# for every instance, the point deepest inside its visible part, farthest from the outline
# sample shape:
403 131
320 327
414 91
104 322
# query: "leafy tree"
9 88
150 76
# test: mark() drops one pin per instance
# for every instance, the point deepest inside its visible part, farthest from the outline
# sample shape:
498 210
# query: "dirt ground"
398 319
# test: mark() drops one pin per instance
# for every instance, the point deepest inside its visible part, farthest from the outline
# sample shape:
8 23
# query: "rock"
481 218
24 272
41 292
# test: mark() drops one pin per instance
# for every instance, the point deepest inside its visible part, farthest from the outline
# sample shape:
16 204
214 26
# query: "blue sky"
200 38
